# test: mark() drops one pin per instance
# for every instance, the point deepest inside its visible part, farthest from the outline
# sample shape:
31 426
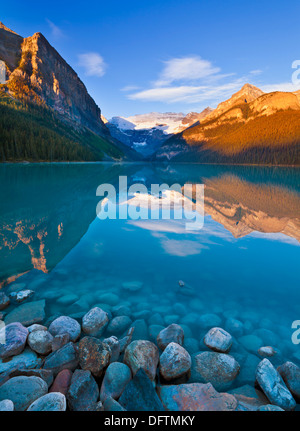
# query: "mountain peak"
3 27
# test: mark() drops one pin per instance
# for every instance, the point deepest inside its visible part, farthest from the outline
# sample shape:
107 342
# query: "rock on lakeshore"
218 340
173 333
142 354
174 362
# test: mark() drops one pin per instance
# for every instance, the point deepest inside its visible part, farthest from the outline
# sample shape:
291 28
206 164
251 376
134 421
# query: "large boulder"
117 376
22 391
273 386
27 359
219 340
40 342
14 337
6 406
118 325
83 392
52 402
175 362
140 395
65 325
216 368
172 334
195 397
142 354
93 355
27 314
94 322
64 358
62 382
290 373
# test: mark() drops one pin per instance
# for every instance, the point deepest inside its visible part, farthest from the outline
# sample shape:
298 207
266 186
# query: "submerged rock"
266 351
94 322
14 337
118 325
132 286
142 354
52 402
94 355
22 295
65 325
6 406
140 395
22 391
83 391
218 339
207 321
290 373
114 347
4 301
273 386
124 342
174 362
28 313
195 397
218 369
116 378
172 334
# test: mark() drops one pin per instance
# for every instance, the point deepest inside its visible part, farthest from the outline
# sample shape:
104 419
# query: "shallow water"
244 263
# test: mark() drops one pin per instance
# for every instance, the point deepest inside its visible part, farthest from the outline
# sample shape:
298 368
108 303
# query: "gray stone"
27 359
273 386
140 330
83 391
14 337
6 406
234 327
52 402
22 391
118 325
156 319
290 373
36 327
111 405
270 408
114 347
59 341
40 342
94 322
218 369
28 313
65 325
116 378
121 310
175 362
266 351
251 343
218 340
132 286
207 321
172 334
124 342
68 299
64 358
21 296
142 354
4 301
94 355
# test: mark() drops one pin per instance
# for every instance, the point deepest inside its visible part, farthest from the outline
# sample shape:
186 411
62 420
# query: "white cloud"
284 86
256 72
93 64
187 69
55 30
130 88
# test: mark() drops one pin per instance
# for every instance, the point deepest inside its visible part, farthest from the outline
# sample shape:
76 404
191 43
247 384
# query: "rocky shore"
103 361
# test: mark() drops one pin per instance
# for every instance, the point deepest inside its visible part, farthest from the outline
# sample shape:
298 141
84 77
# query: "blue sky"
167 56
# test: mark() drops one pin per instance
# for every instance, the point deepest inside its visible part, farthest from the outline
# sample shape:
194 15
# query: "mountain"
147 132
39 79
250 127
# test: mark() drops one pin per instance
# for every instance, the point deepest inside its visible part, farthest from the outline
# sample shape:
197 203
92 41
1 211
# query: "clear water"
244 263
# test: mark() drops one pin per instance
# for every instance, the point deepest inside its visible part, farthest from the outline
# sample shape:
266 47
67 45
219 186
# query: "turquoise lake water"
243 263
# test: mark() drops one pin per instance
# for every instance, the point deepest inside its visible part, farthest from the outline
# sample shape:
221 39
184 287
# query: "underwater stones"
64 358
218 369
4 301
249 398
6 406
154 330
109 298
175 362
251 343
273 386
22 391
290 373
207 321
268 337
195 397
14 337
118 325
234 327
218 340
142 354
68 299
52 402
132 286
116 377
65 325
94 356
121 310
124 342
21 296
62 382
40 342
83 391
247 374
94 322
173 333
140 330
191 345
156 319
266 351
27 359
28 313
139 394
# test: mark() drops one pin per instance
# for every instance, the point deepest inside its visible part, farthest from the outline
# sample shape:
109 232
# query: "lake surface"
243 264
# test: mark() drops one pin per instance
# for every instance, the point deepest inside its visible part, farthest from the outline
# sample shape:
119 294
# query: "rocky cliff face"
38 73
